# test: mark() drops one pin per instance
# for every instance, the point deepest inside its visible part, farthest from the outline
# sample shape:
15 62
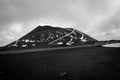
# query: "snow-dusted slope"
112 45
48 36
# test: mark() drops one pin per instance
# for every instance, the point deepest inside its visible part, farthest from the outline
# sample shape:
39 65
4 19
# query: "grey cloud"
91 16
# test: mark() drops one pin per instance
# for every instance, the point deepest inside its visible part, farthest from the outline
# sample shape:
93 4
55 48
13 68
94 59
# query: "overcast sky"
98 18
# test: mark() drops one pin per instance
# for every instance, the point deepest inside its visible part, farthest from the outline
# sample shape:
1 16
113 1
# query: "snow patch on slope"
112 45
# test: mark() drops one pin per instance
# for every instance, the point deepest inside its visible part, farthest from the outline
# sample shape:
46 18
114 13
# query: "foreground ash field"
94 63
52 53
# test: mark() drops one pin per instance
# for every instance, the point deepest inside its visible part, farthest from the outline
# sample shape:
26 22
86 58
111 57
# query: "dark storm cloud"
98 18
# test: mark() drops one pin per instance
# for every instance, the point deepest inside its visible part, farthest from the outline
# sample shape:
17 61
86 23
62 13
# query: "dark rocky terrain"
54 37
53 53
90 63
48 36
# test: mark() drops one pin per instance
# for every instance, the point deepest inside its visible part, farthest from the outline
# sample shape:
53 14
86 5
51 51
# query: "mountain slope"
46 36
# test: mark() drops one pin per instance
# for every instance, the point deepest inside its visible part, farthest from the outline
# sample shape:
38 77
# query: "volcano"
49 36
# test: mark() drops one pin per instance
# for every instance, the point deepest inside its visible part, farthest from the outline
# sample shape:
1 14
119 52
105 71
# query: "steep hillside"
45 36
